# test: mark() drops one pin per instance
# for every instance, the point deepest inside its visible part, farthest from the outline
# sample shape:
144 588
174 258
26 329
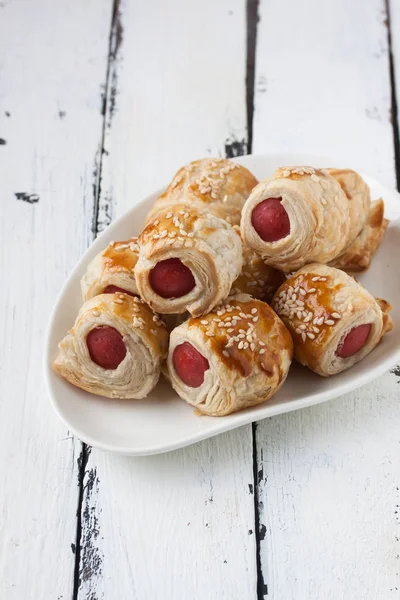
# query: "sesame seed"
252 346
255 319
96 313
245 345
302 291
312 290
240 345
302 327
335 315
261 343
315 329
169 215
118 301
310 335
320 321
225 353
230 330
253 311
329 322
204 322
299 314
262 351
242 335
315 279
322 278
303 337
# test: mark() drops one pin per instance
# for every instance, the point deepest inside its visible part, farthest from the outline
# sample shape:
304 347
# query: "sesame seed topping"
253 311
312 290
335 315
302 291
262 351
240 345
329 322
303 337
225 353
118 301
315 279
204 322
310 335
169 215
95 313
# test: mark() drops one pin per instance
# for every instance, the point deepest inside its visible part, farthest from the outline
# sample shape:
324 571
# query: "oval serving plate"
163 421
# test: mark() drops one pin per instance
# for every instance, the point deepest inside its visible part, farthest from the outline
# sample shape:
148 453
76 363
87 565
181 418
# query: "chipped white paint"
181 525
52 64
330 475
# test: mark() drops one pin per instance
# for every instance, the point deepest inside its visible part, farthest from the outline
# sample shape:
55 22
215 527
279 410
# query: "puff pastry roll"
358 196
112 270
235 357
358 254
257 279
301 215
334 322
188 261
115 348
217 185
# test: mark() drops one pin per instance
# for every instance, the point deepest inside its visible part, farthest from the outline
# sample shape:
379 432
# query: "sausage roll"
217 185
234 357
357 256
334 322
112 270
297 216
115 348
257 279
188 261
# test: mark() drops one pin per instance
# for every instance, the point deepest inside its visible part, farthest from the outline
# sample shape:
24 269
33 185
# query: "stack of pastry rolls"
189 296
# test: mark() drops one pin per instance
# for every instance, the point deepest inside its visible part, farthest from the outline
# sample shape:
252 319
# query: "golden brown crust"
358 255
320 305
207 245
113 266
144 335
249 352
217 185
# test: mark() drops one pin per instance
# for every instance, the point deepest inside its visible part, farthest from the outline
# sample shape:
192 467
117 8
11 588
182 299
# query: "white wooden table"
99 105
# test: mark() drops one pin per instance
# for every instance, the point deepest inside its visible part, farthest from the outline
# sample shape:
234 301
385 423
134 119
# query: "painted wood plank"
53 58
328 488
180 525
394 19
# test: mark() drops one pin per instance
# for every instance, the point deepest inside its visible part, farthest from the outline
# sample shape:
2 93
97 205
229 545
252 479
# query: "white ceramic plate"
163 421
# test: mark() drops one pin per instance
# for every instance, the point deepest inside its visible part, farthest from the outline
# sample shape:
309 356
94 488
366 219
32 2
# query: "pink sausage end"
190 365
171 278
270 220
354 341
106 347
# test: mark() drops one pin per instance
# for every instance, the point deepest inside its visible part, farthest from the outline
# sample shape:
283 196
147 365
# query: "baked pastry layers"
235 357
115 348
334 322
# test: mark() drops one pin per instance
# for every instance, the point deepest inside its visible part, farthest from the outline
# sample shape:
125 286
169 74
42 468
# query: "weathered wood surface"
53 60
328 477
99 103
180 525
